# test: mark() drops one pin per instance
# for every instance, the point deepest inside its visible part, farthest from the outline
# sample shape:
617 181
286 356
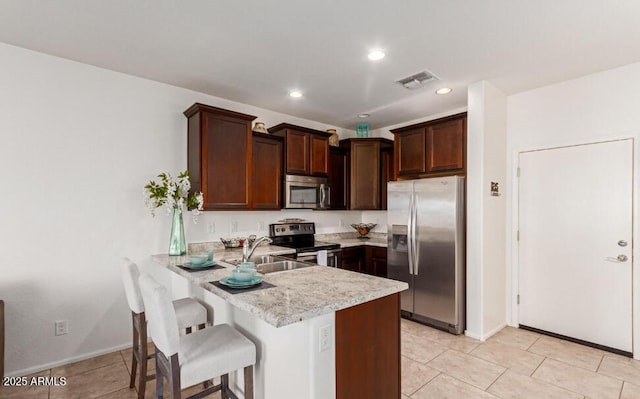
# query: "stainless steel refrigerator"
426 224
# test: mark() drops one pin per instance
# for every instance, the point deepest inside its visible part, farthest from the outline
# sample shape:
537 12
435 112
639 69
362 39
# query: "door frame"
513 257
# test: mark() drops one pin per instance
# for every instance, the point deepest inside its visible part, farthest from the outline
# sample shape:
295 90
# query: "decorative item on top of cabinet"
334 139
366 187
266 172
306 150
219 156
435 148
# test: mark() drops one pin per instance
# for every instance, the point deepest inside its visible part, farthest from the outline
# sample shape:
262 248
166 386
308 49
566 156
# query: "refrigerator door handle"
409 235
414 244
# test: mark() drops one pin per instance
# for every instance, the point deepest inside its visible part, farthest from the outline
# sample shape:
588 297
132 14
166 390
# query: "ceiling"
256 51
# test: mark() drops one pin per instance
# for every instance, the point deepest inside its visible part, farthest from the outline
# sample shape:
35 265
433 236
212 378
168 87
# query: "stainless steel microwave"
306 192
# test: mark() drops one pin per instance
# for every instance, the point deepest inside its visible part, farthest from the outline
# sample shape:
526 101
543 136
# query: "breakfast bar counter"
297 294
317 331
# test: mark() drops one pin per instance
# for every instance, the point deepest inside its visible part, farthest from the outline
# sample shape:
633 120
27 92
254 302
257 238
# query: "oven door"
304 192
334 257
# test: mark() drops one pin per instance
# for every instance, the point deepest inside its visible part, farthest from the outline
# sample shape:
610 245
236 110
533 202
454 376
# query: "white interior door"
575 247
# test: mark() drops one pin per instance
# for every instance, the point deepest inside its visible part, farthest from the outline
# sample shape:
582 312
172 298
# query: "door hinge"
518 299
518 172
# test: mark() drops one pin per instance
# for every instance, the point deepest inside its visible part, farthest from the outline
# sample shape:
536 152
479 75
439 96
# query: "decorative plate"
232 283
204 265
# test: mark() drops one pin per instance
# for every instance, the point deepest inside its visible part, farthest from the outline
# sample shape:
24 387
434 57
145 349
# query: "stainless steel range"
300 236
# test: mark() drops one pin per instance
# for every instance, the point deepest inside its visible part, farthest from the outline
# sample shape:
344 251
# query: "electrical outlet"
324 342
261 226
341 224
211 228
62 327
234 227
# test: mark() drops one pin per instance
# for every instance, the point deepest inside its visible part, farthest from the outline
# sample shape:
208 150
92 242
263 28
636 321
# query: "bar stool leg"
248 382
134 361
224 384
159 378
144 357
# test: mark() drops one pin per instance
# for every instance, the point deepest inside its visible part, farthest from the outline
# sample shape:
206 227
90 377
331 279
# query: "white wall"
78 145
593 108
486 214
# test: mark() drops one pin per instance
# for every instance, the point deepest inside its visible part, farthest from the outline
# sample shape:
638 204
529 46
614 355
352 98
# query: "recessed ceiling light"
295 94
376 55
363 116
443 90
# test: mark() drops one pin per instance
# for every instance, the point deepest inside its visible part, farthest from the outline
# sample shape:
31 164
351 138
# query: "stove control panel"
291 229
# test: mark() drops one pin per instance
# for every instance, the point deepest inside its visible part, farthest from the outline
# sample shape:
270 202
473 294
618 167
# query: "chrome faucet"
247 250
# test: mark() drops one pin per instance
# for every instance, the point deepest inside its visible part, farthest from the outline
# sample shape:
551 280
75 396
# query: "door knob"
622 243
622 258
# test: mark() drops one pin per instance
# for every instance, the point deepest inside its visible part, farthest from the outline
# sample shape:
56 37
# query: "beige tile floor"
514 364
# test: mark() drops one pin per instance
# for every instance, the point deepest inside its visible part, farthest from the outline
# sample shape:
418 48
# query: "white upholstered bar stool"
190 359
189 313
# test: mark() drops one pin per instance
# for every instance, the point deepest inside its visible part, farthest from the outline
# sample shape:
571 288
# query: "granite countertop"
221 253
351 239
298 294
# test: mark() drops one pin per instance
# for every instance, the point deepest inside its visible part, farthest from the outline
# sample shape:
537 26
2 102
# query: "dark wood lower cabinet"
368 350
376 261
365 259
353 259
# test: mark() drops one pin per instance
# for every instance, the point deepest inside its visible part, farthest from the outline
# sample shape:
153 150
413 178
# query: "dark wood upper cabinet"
319 154
446 145
338 178
306 151
410 147
386 174
435 147
297 155
366 176
266 172
219 156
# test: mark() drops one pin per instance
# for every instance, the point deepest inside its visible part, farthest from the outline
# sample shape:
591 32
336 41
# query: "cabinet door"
319 155
445 146
266 173
365 175
376 261
410 147
297 157
386 174
226 147
338 178
353 259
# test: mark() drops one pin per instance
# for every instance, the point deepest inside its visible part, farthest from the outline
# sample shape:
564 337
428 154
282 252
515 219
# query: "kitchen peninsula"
320 332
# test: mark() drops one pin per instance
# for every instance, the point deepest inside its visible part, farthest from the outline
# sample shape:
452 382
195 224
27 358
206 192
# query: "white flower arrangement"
173 194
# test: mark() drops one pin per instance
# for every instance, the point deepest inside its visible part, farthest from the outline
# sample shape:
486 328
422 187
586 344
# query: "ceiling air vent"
418 80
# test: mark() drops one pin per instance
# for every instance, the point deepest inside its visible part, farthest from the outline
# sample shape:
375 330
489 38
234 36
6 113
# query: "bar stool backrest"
130 276
161 316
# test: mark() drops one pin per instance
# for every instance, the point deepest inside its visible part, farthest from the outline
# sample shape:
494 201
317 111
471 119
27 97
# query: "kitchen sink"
280 266
270 264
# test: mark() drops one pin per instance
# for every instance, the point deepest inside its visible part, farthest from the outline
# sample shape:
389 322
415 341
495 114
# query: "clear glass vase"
177 243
